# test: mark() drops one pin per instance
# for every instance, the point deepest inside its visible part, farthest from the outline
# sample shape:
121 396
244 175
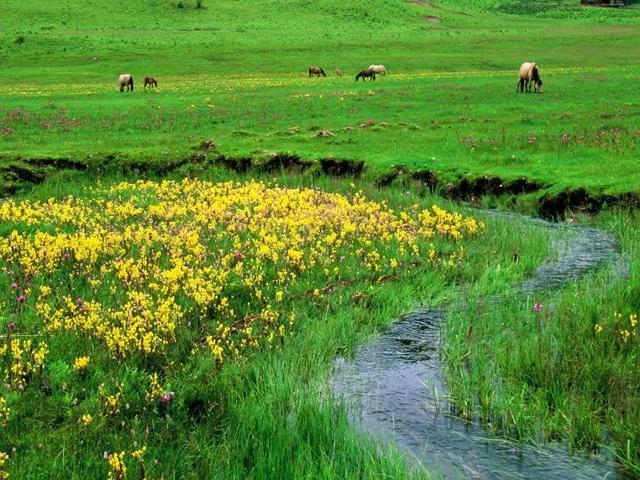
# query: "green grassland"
235 74
233 83
265 416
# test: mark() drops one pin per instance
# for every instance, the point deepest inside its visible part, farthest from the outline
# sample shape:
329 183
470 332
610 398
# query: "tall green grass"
555 374
268 416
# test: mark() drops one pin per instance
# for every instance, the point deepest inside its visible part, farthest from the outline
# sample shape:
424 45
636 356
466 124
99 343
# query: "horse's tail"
310 71
131 83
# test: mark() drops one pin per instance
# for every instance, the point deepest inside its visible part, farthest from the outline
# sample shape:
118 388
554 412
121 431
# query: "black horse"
368 73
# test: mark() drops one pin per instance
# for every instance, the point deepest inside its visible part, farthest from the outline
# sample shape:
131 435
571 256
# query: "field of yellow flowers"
150 274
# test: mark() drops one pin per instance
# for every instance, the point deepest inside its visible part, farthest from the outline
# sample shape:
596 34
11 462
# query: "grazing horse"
338 72
366 74
150 82
529 73
125 81
317 71
378 69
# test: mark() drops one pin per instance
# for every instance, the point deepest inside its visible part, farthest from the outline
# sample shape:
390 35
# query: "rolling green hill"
233 74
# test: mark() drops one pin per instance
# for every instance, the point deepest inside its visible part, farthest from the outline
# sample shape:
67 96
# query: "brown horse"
367 73
317 71
150 82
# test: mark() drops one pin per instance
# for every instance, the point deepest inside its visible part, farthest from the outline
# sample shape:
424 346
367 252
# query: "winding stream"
395 383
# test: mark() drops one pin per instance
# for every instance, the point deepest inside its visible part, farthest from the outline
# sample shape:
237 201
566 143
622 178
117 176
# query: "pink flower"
167 397
14 286
21 298
537 307
66 256
11 326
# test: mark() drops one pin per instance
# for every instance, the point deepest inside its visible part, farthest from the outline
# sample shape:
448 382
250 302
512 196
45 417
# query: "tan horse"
529 73
125 81
338 72
150 82
317 71
378 69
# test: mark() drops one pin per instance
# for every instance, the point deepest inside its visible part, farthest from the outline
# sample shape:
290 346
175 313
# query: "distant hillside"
545 8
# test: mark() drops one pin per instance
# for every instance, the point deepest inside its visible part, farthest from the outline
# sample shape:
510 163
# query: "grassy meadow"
234 388
163 316
236 76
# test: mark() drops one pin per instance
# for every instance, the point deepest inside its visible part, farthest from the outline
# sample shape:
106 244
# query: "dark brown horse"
317 71
367 73
150 82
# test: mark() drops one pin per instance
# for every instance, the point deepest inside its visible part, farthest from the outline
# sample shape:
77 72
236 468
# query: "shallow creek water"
395 388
